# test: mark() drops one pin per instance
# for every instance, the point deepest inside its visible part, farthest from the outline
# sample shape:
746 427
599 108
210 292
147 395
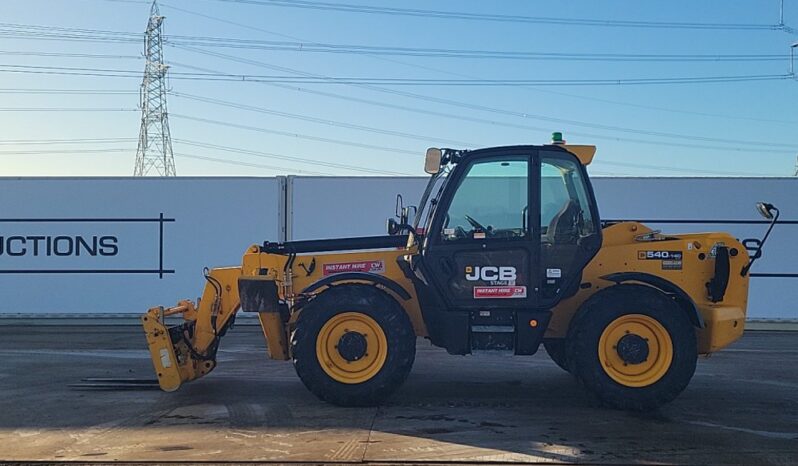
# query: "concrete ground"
741 408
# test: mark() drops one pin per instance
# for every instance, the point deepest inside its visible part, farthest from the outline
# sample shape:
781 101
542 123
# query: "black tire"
582 346
389 315
555 348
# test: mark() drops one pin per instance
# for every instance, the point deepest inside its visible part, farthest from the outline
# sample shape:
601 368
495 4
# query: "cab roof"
582 152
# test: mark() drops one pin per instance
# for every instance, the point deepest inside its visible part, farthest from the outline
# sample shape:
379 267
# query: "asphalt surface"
741 408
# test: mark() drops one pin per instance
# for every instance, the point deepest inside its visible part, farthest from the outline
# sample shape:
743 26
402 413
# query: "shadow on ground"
740 408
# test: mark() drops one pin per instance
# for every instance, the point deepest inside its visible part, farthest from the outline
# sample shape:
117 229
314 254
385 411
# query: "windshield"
425 206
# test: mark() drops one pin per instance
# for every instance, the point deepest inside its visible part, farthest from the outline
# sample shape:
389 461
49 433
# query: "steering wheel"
474 223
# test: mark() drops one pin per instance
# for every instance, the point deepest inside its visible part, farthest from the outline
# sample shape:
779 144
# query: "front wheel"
353 345
633 347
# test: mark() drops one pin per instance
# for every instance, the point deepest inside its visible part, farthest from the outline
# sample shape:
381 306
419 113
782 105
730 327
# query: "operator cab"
503 235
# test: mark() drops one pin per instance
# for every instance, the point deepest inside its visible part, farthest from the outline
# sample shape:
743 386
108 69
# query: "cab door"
570 229
481 251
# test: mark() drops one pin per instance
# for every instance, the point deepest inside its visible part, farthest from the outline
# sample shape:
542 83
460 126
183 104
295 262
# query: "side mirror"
765 210
769 212
432 162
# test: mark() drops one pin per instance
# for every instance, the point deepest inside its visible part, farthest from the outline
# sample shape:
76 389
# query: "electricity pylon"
154 154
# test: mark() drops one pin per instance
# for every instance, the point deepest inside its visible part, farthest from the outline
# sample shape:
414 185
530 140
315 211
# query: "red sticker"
499 292
362 266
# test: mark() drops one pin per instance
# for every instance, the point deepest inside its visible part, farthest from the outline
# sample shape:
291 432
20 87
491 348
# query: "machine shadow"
487 407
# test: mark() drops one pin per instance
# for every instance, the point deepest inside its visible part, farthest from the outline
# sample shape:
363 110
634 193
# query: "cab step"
492 331
518 331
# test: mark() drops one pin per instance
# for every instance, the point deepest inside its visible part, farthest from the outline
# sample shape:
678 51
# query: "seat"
563 226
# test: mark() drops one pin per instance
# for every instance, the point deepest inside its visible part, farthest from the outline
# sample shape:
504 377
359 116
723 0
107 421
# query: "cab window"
565 214
490 203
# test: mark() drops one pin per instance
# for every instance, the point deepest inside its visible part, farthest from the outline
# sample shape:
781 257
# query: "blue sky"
618 119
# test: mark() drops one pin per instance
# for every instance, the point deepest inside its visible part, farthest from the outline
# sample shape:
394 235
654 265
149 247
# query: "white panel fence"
120 245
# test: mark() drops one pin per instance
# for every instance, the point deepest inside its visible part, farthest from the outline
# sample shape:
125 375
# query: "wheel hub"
633 349
352 346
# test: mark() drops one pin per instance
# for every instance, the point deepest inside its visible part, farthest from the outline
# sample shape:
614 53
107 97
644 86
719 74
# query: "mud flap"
162 351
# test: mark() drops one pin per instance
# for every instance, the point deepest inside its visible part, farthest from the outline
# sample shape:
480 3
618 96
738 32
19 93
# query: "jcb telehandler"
506 251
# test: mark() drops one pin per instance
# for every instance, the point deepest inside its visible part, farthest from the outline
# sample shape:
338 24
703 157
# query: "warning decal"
499 292
361 266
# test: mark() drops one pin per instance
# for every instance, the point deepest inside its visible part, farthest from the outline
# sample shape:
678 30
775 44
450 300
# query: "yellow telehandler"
506 251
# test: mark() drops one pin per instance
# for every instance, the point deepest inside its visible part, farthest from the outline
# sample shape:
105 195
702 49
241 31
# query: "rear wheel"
633 347
353 345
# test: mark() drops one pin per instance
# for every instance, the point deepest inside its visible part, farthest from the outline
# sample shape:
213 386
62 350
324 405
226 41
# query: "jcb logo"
489 273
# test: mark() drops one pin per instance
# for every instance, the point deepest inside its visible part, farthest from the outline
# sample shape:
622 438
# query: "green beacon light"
556 138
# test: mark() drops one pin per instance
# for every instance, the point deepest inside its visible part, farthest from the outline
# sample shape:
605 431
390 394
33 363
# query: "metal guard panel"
359 276
258 294
662 284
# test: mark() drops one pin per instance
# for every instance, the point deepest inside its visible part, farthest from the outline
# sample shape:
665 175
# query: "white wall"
326 207
216 219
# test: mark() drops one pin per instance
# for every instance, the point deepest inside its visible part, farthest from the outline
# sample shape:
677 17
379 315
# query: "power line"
24 31
437 14
36 32
663 168
272 155
62 151
66 109
65 141
197 157
370 129
724 141
291 158
498 18
68 32
679 170
318 47
67 91
525 115
245 164
282 46
504 112
666 168
216 147
69 55
231 77
323 121
8 142
666 109
298 135
68 71
464 75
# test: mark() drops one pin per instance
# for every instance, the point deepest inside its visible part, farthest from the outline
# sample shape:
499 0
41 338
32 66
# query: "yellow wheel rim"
356 362
635 350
